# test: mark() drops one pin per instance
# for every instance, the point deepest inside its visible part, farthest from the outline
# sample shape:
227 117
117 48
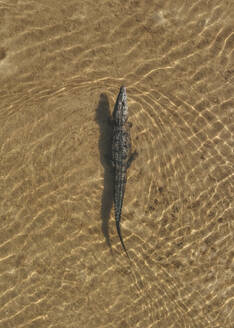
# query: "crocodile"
121 154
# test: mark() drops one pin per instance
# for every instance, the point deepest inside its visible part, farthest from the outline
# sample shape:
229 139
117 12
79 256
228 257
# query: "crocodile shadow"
103 117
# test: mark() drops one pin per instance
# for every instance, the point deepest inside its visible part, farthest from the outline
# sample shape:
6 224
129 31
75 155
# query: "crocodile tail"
120 237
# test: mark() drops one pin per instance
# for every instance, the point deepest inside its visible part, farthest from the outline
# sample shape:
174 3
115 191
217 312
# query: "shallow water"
61 66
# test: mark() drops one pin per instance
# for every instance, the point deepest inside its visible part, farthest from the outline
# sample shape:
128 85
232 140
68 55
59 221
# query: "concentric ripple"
61 66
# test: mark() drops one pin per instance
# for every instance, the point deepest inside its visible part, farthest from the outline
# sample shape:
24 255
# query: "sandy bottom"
61 66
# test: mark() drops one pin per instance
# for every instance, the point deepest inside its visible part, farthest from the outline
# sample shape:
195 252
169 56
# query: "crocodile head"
120 114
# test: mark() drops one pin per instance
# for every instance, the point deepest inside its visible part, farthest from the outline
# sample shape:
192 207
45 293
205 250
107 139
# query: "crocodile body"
121 154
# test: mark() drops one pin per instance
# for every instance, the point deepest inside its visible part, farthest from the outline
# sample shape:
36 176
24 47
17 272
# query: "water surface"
61 66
